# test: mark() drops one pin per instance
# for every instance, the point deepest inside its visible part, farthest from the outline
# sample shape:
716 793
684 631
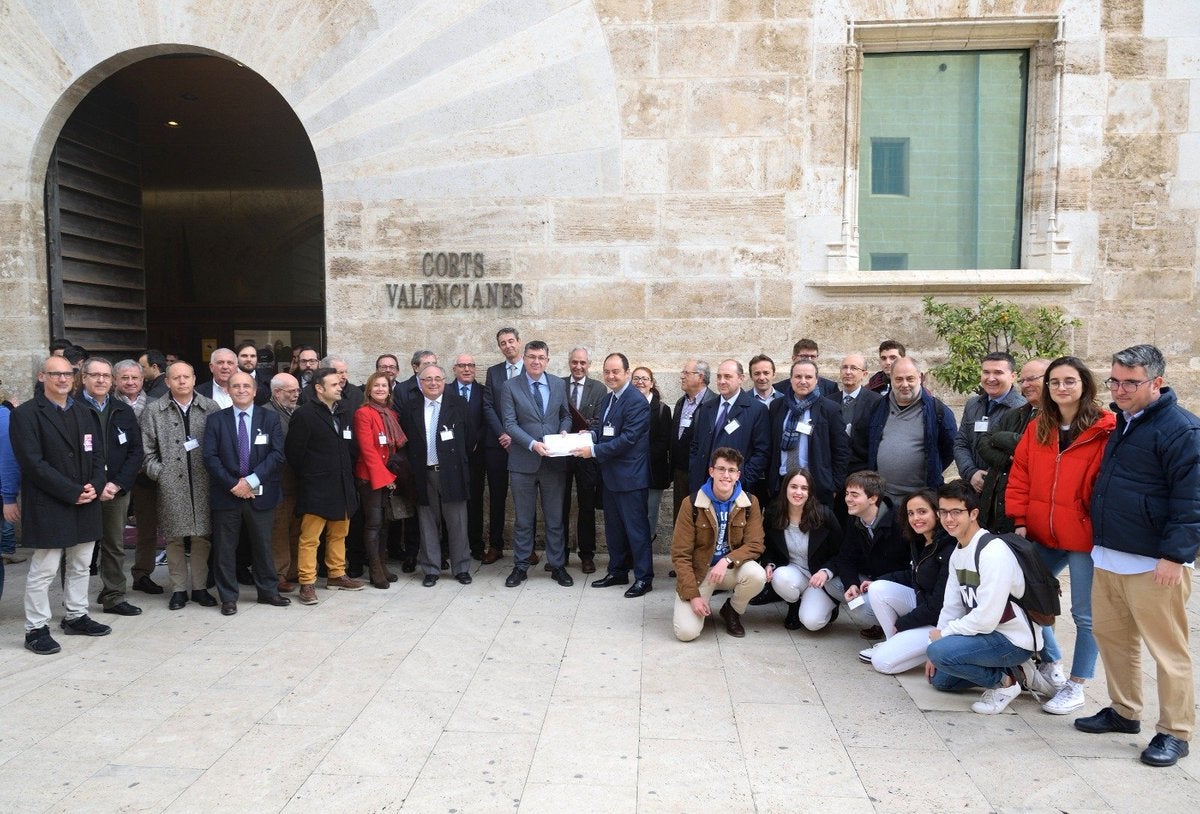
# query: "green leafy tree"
972 332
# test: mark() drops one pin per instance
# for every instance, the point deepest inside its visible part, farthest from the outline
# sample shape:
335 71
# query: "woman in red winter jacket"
1049 493
378 435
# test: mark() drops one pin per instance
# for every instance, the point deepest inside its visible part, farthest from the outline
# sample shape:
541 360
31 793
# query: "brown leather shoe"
492 555
344 583
308 594
533 558
733 620
587 566
286 587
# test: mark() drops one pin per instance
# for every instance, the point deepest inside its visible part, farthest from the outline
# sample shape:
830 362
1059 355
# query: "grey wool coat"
180 475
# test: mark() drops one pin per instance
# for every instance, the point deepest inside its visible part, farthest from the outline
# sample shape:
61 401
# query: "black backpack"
1042 588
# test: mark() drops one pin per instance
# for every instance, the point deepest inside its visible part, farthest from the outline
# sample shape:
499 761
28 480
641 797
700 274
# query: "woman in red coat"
1049 493
378 435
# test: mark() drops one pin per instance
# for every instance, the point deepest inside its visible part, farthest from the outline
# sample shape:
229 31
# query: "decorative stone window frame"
1046 259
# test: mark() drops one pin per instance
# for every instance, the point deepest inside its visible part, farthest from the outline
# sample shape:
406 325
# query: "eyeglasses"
464 364
642 379
99 375
689 373
955 513
386 367
1125 385
432 379
726 470
1062 384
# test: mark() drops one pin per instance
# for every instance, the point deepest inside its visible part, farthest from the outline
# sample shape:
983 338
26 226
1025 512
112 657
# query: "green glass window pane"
942 158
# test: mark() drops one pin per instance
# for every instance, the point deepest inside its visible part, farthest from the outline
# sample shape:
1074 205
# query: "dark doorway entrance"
184 212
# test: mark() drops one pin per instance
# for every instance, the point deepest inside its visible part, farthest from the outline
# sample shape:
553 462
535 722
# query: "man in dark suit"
806 431
409 389
694 380
438 440
734 419
352 394
856 402
222 363
622 453
154 369
806 350
471 392
389 365
243 453
584 394
320 448
534 405
496 439
54 439
247 361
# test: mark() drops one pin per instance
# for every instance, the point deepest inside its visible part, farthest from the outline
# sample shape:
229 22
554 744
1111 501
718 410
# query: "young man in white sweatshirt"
982 638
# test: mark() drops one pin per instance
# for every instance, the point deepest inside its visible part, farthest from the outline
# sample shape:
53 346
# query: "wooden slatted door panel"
94 232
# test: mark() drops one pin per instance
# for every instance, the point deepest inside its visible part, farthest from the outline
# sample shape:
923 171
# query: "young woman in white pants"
907 605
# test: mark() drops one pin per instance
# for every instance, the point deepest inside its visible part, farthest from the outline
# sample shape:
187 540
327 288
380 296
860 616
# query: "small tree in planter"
973 332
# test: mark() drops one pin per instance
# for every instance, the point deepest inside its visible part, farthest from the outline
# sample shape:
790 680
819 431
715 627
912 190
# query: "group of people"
826 495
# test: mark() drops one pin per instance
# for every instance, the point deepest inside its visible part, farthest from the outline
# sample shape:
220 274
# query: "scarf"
391 428
797 407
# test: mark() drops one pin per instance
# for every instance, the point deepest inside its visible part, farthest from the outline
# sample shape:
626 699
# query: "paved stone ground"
534 699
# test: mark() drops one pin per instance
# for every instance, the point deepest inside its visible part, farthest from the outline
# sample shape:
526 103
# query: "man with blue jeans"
982 639
10 487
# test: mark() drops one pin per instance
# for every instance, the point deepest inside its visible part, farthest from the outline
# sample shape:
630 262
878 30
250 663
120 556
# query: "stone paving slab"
533 699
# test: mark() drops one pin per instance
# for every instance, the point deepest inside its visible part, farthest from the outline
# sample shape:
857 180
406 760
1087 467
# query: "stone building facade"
661 177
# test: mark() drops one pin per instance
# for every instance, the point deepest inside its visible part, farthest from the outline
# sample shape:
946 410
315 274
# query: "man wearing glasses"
1146 527
56 444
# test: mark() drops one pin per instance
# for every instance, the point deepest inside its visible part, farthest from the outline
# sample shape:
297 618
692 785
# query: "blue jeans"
1083 662
8 538
964 662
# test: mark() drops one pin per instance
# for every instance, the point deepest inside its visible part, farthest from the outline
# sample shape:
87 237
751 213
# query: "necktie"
847 399
612 402
720 421
512 370
462 391
537 400
847 408
575 392
243 446
431 456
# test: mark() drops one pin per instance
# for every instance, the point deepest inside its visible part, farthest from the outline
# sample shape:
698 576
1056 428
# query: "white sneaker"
997 700
1068 699
1035 682
865 655
1053 672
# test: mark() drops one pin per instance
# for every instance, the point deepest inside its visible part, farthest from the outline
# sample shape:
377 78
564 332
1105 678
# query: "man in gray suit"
534 405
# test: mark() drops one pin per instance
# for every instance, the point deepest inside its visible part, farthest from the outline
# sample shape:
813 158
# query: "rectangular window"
889 166
942 158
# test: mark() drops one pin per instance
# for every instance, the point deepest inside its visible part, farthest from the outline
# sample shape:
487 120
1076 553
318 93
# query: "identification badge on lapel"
87 442
732 426
121 438
260 439
190 444
804 428
981 425
347 434
446 434
685 422
382 440
610 431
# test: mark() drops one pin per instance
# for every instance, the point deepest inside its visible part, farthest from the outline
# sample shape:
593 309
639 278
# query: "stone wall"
662 177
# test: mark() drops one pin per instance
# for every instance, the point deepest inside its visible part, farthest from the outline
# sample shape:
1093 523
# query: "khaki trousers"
1128 609
311 527
746 581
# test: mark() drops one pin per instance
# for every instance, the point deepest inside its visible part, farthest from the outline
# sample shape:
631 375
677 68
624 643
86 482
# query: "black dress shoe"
608 580
640 587
204 598
178 600
587 566
463 577
274 599
430 580
228 608
147 585
766 596
1107 720
408 566
515 578
561 576
1164 750
792 620
124 609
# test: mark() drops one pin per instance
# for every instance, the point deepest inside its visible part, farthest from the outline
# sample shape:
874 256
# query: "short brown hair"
729 454
872 483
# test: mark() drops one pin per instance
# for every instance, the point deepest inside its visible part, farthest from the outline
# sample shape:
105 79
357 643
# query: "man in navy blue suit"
243 453
622 452
736 419
471 391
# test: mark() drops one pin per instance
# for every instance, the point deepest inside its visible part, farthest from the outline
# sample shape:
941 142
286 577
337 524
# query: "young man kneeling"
982 639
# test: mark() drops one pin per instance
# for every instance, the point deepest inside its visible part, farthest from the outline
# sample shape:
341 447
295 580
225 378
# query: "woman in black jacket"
907 603
660 443
802 538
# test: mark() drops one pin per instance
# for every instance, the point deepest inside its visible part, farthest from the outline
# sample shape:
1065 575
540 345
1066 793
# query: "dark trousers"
497 479
627 530
583 474
477 467
227 527
679 490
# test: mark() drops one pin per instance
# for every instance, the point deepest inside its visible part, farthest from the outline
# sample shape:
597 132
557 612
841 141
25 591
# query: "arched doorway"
184 211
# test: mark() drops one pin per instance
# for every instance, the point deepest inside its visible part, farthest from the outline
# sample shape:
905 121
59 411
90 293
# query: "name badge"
981 425
856 602
804 428
190 444
382 440
610 431
87 442
121 439
446 434
685 422
732 426
260 440
347 434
